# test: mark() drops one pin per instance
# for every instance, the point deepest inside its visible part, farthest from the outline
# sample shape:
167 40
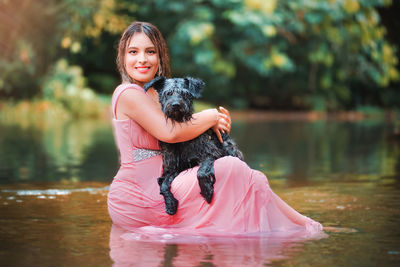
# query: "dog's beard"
178 114
179 117
174 114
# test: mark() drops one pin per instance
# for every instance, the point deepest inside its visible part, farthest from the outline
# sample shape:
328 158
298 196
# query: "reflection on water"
155 249
72 151
289 150
54 181
300 150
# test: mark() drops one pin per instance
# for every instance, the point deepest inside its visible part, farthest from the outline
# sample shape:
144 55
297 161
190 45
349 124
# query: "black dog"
176 97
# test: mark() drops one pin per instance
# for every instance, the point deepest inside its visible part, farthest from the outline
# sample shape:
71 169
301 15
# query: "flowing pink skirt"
243 203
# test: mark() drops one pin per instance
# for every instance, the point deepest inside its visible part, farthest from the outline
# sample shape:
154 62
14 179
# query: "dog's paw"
206 184
208 194
171 205
207 189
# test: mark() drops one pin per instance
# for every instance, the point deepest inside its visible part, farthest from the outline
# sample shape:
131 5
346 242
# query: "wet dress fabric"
243 202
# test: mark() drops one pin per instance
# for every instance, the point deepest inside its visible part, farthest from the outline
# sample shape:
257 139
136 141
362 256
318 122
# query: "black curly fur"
176 97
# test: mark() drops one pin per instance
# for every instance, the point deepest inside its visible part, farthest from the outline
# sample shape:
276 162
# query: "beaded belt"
144 153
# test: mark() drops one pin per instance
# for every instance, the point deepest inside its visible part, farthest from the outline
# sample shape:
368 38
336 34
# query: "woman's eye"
132 52
151 51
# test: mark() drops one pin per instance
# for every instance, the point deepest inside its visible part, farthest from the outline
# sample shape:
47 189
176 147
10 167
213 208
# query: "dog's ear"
195 86
157 83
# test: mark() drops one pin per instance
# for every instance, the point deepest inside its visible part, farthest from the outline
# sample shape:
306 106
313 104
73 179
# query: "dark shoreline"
260 115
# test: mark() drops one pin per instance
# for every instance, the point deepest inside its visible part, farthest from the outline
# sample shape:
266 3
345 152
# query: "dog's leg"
170 161
171 203
206 179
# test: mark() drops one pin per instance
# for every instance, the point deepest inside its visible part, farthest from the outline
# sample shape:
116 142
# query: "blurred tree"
305 54
28 36
34 34
390 19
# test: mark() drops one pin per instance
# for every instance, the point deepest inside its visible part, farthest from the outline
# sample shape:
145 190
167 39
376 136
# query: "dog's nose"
176 105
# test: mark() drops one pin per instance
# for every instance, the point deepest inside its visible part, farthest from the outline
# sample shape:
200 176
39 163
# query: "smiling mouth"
142 68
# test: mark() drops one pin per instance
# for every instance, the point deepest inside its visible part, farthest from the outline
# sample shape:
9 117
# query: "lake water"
345 174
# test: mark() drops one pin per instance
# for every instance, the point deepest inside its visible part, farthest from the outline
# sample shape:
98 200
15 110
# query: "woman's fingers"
226 125
219 136
218 133
226 116
224 110
221 127
223 117
223 124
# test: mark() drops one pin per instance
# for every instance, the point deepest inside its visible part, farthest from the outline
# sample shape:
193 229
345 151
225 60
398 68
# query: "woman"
243 201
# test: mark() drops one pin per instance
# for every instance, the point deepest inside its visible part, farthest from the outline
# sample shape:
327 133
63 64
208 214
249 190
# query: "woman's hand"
227 118
223 124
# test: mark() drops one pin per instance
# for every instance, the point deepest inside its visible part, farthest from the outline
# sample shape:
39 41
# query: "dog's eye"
170 93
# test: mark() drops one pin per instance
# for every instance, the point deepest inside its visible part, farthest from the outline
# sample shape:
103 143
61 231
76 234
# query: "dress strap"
117 93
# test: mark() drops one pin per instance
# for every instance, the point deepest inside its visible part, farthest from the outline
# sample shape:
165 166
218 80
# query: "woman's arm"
141 108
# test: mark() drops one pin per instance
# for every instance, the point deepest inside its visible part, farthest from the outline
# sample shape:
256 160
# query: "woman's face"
141 59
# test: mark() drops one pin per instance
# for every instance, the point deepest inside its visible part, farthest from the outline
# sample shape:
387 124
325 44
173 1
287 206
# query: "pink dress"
243 201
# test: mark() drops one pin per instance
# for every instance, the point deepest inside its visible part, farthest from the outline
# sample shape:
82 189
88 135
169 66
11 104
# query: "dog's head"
176 95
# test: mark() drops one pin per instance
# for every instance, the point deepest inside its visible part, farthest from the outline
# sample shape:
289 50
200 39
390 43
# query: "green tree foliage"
66 85
318 54
305 53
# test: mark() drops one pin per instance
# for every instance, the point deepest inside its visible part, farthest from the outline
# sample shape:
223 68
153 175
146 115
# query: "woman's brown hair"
156 38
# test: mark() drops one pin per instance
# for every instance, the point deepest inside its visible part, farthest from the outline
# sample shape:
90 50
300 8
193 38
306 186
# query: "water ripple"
57 192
